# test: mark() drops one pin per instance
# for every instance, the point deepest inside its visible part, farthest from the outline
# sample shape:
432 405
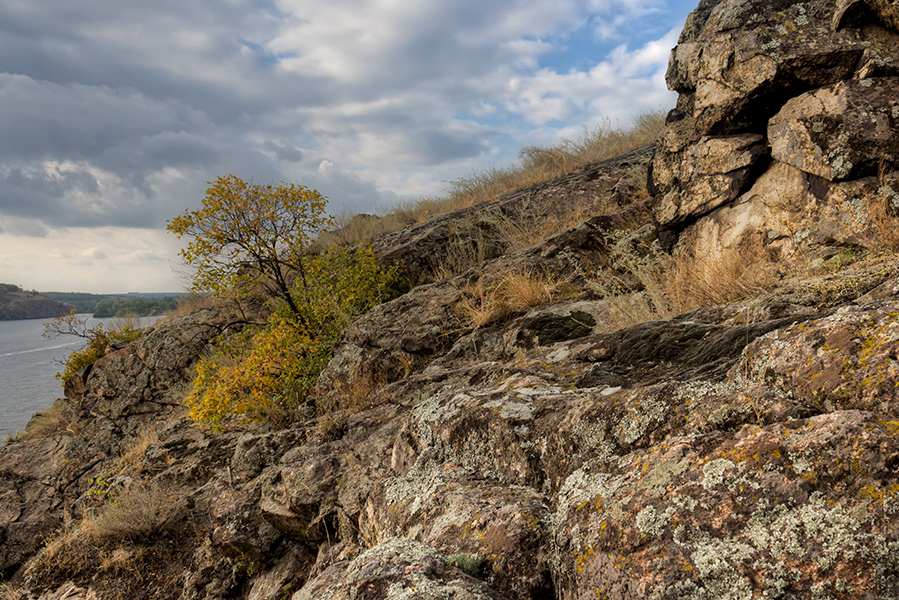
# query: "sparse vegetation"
536 165
470 564
58 418
139 512
641 283
97 339
883 208
485 302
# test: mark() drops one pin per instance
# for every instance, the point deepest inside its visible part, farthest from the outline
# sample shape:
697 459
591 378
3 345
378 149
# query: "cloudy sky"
114 115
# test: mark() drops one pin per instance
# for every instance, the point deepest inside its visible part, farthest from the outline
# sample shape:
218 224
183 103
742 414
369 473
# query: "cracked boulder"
741 60
696 178
840 132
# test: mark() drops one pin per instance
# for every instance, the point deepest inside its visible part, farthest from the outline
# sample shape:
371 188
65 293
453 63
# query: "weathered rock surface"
695 179
424 248
813 81
840 132
745 450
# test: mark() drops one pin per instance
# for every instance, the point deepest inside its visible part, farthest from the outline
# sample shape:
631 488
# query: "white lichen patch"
582 487
436 409
713 472
511 410
559 354
420 482
651 522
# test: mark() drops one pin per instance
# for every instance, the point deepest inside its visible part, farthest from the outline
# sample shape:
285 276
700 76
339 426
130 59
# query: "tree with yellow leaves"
252 234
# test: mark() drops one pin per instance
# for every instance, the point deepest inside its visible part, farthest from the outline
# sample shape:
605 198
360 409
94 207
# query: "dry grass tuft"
59 418
517 291
642 284
883 208
140 512
132 456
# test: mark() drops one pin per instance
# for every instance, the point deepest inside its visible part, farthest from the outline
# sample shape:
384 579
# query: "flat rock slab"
397 569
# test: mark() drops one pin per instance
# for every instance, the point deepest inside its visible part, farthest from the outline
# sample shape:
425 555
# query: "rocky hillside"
16 303
569 448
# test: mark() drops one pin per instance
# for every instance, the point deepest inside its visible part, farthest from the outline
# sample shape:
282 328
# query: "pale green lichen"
421 481
511 410
713 472
650 522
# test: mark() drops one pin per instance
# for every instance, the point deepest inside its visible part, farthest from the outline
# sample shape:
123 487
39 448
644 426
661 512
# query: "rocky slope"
19 304
743 450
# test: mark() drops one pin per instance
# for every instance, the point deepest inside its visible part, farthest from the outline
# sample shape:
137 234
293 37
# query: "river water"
28 363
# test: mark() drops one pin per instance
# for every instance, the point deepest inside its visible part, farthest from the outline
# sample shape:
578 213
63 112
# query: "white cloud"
116 115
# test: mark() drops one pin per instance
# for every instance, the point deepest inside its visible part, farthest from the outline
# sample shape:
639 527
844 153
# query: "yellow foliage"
269 370
251 234
97 339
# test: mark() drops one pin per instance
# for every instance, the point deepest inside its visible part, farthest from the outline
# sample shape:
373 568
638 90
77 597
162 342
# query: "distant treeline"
117 306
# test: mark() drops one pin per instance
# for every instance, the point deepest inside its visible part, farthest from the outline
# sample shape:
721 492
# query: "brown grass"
883 207
140 512
643 284
515 292
132 456
55 419
535 165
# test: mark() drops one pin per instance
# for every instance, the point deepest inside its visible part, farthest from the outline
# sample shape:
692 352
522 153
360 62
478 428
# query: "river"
28 363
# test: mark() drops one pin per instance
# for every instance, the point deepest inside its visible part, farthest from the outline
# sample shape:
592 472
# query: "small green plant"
97 339
98 490
470 564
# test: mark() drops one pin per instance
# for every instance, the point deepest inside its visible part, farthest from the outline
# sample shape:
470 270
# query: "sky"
114 116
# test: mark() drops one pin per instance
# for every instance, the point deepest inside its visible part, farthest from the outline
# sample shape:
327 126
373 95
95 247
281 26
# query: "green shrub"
97 339
470 564
267 371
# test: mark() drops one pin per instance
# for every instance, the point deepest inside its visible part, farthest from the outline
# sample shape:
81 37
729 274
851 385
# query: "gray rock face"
694 179
815 83
744 450
840 132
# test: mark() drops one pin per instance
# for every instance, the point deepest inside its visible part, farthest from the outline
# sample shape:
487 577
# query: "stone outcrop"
743 450
813 86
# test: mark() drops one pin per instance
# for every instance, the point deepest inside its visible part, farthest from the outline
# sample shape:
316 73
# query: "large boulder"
844 131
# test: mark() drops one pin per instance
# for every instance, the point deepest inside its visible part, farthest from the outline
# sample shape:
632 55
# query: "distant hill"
118 305
16 303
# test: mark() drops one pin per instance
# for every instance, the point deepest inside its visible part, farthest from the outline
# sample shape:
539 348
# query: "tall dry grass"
644 284
485 302
535 165
883 208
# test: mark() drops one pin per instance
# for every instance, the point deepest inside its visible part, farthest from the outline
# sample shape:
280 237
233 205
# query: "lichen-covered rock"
503 526
749 57
698 178
802 508
786 211
841 132
849 360
397 569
